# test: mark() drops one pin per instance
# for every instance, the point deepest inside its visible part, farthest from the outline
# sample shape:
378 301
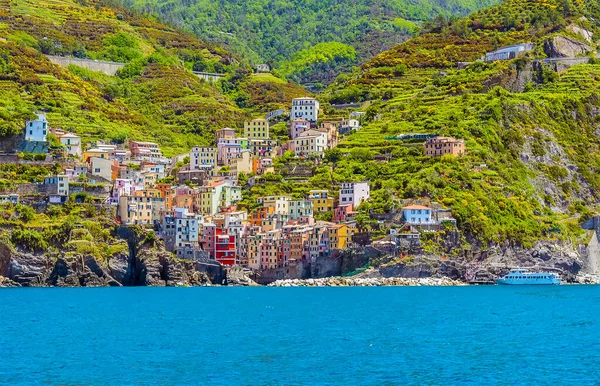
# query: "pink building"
144 149
342 212
297 127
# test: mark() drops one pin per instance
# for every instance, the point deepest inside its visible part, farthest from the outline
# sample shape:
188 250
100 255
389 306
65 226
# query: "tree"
333 155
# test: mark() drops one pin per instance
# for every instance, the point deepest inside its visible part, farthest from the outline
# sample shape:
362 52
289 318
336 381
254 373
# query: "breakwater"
367 282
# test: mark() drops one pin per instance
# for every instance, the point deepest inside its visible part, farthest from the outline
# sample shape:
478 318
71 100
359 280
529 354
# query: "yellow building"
144 207
339 235
98 153
256 128
321 201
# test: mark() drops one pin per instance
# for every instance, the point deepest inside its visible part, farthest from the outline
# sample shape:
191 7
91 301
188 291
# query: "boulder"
563 47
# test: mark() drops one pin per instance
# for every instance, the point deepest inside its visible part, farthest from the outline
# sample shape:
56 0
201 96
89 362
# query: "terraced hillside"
155 97
532 166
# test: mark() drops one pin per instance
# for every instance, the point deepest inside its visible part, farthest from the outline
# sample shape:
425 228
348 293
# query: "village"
190 200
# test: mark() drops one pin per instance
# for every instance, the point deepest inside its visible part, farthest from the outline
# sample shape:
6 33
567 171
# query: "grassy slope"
541 146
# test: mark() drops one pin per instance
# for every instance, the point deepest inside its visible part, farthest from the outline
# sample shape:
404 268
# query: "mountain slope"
264 30
155 97
533 161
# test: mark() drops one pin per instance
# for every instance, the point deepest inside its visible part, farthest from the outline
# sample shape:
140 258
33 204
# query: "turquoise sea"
301 336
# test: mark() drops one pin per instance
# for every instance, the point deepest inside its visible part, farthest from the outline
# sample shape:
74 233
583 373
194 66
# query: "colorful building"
256 128
439 146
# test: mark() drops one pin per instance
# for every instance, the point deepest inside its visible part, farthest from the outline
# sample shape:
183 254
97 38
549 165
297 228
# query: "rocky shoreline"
369 282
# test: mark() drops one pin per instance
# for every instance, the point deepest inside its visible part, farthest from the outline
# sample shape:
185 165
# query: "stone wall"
109 68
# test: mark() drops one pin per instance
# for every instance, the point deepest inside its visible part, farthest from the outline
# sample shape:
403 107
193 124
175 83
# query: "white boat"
525 277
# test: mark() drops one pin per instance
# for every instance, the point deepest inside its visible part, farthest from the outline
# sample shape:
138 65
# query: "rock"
6 282
119 268
577 30
563 47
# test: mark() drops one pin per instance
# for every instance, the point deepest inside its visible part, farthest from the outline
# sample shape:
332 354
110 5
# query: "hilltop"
306 40
530 127
156 96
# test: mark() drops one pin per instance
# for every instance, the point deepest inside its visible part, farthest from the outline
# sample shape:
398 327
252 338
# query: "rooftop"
415 207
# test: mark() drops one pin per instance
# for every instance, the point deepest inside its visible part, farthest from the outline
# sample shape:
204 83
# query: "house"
9 198
508 52
275 113
180 230
102 167
339 235
354 193
224 134
243 163
342 212
256 129
62 181
37 129
297 127
73 144
166 192
121 187
417 214
439 146
305 108
262 147
220 244
332 133
300 210
310 142
263 68
321 201
358 115
202 157
348 125
95 152
143 207
141 150
228 150
280 204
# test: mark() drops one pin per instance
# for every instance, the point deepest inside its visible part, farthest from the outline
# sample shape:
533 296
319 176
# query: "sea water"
296 336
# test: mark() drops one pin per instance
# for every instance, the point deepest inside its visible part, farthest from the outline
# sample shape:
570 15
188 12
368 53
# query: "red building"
224 247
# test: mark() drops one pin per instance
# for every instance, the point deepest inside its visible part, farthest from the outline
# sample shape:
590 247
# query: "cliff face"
144 265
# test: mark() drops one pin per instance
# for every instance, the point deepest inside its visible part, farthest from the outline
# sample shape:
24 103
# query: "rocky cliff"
147 263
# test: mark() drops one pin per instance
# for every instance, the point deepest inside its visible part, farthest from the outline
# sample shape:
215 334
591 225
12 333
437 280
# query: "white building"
181 231
300 209
101 167
36 130
305 108
348 125
310 142
62 188
354 193
73 144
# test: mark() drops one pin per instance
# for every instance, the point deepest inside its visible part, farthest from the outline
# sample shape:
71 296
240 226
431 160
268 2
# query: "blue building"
417 214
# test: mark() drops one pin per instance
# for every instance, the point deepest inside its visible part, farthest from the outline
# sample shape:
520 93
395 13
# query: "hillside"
532 166
282 31
155 97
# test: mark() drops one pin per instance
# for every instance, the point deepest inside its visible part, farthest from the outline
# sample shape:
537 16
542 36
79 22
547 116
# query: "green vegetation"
519 140
532 162
274 31
81 229
156 97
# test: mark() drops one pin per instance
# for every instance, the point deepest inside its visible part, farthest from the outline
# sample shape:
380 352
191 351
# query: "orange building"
167 193
439 146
